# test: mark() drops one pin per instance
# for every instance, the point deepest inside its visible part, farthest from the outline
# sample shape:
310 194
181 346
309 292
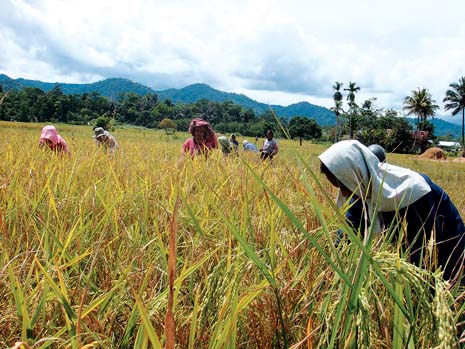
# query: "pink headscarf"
58 143
49 132
211 141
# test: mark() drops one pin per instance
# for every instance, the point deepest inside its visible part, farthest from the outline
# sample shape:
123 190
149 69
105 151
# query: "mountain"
322 115
195 92
445 128
9 84
441 127
113 87
457 119
110 88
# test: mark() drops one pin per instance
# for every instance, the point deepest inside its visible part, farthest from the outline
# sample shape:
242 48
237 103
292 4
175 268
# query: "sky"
276 52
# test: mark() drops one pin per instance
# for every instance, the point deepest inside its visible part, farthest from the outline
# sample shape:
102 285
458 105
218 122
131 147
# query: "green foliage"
104 122
455 100
421 104
389 131
32 104
24 100
337 109
110 88
169 125
196 92
182 124
352 90
455 97
115 88
304 128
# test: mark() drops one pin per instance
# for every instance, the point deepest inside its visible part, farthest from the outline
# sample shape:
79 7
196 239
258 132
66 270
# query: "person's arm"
276 149
354 217
113 143
188 148
354 214
185 147
64 146
213 144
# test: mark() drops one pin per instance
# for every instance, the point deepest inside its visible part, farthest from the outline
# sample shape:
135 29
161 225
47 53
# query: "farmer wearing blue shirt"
397 193
249 146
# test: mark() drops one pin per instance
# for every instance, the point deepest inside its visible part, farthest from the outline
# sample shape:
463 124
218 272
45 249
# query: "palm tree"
337 109
421 104
455 99
352 89
337 96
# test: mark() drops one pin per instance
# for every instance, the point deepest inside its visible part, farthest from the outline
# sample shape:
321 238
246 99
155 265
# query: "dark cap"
378 151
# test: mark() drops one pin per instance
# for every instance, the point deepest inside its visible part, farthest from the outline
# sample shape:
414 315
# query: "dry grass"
85 247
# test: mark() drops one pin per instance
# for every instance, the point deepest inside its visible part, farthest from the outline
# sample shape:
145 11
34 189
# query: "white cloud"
271 50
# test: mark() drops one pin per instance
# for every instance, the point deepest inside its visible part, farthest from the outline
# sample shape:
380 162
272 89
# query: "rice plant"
142 249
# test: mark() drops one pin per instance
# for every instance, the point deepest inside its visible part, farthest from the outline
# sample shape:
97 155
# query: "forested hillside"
113 88
196 92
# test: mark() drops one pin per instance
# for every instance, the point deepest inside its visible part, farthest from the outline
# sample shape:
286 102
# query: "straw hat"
99 132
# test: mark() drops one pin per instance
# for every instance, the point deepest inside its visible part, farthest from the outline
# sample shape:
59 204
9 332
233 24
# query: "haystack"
433 154
459 160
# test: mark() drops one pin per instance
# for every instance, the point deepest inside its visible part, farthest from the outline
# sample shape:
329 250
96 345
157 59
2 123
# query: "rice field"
140 249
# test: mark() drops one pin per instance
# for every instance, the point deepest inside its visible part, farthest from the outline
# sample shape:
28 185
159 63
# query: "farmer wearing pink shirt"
203 140
50 137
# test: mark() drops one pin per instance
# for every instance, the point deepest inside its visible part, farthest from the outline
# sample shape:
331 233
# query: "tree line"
34 105
370 125
363 121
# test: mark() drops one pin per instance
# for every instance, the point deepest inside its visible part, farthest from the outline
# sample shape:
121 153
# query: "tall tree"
352 90
304 128
455 100
169 125
337 109
205 109
247 115
421 104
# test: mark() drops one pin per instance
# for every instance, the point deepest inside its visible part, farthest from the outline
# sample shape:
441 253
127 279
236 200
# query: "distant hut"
453 147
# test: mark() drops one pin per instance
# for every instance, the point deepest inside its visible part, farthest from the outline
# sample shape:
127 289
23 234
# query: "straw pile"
433 154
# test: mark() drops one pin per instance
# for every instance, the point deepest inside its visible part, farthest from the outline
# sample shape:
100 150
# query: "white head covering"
354 165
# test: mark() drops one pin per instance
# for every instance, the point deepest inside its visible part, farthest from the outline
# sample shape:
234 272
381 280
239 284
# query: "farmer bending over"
234 143
355 170
249 146
105 139
49 137
225 145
